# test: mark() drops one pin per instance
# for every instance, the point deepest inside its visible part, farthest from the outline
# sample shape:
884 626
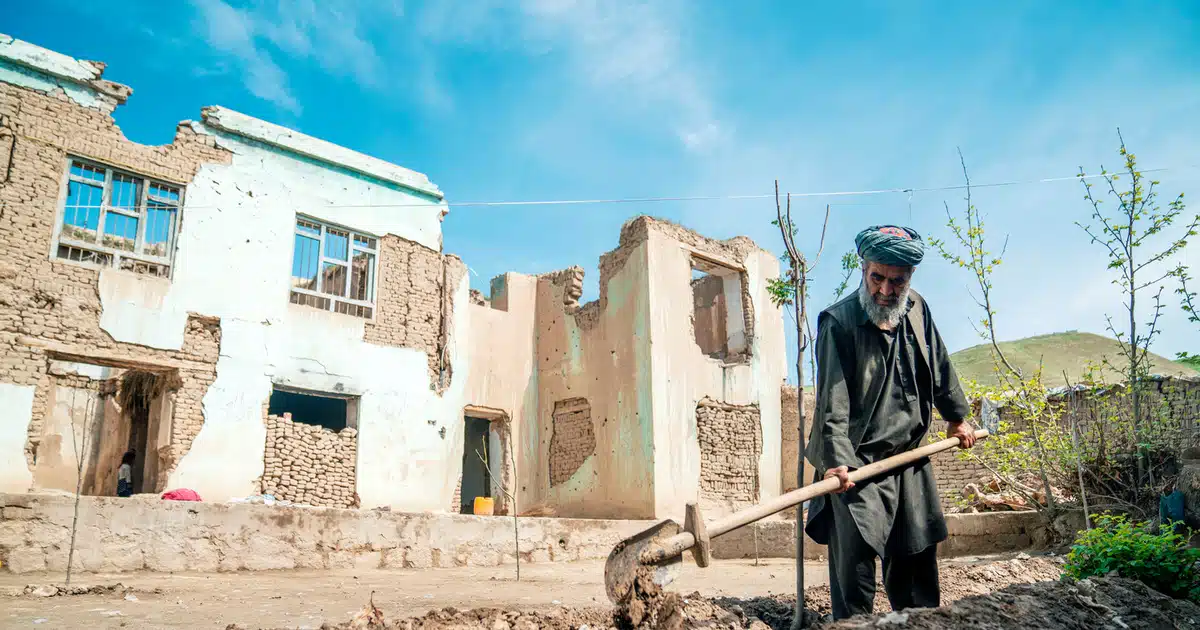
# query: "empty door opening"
477 449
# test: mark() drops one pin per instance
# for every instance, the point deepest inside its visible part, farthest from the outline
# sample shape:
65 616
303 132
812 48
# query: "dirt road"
306 599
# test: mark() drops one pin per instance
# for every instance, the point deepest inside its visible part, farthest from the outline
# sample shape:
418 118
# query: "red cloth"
182 494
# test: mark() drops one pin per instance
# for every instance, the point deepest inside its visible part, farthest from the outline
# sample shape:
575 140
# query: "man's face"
886 283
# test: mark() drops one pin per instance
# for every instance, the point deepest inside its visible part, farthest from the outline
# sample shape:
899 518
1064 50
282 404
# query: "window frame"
352 247
97 254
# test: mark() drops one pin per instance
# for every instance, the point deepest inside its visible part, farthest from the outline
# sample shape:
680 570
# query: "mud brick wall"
1173 399
309 464
415 301
572 438
51 308
456 502
731 443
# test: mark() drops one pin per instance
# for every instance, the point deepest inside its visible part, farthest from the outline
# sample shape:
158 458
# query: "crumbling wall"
730 445
572 439
309 464
415 302
50 307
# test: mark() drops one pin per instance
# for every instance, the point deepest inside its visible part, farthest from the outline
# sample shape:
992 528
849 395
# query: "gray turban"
890 245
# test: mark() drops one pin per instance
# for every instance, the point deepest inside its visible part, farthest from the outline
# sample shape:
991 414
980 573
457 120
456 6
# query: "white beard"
883 315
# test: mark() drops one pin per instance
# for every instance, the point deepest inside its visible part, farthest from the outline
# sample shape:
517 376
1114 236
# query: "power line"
640 200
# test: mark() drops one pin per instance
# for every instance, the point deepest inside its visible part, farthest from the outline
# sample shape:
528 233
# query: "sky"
579 99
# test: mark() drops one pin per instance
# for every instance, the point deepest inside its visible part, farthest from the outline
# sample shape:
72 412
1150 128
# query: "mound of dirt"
1085 605
967 591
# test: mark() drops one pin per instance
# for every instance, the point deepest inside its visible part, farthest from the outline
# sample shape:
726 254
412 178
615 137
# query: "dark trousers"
909 581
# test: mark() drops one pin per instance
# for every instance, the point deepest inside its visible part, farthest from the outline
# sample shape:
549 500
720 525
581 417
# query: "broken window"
333 268
718 309
332 411
115 219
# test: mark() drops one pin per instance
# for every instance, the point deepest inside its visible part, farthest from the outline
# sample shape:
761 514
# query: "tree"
511 494
792 289
80 438
1133 225
1188 304
1009 454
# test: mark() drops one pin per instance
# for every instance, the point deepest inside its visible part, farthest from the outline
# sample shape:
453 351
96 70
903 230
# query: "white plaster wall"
500 353
682 375
234 262
16 411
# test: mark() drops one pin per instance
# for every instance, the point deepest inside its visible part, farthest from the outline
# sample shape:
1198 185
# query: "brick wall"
309 464
572 438
949 471
731 443
50 308
415 301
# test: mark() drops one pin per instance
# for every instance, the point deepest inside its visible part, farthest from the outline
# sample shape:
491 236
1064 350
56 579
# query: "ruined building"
258 311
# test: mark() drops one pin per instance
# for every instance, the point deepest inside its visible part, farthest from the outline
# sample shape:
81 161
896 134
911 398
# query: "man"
881 370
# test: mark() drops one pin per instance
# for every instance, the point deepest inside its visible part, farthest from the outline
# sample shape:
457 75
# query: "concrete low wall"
145 533
970 534
134 534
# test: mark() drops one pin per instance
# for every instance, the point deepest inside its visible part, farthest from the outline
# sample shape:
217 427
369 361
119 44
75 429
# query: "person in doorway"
125 474
881 371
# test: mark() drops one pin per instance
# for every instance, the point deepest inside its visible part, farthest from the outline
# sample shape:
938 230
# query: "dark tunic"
876 392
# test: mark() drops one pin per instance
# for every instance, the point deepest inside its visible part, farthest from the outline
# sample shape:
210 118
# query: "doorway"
94 415
476 476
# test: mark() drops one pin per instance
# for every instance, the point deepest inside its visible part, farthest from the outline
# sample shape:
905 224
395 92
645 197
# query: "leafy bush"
1162 561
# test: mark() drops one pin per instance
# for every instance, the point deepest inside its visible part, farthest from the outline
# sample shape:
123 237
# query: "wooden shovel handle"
681 542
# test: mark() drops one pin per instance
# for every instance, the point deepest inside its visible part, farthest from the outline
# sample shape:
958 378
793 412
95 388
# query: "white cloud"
299 30
232 32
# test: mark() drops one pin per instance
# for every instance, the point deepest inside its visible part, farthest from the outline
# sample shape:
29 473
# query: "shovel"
660 548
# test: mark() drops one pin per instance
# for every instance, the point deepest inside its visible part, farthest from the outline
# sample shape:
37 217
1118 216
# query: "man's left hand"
963 431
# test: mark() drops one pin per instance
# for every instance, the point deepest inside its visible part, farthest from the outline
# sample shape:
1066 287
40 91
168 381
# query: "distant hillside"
1068 351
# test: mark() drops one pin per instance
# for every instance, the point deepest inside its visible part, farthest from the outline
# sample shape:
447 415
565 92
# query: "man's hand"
842 473
963 431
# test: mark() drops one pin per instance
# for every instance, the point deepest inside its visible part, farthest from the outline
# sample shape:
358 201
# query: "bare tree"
793 289
511 495
79 442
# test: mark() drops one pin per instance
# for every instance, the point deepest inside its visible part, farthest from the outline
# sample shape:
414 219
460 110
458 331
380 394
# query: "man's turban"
891 245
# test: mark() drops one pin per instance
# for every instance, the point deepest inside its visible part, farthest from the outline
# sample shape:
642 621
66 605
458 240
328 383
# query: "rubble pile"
309 464
995 495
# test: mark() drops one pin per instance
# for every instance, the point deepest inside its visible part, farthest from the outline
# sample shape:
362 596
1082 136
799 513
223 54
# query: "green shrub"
1162 561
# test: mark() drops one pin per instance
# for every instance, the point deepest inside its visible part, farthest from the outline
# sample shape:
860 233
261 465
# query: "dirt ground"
573 593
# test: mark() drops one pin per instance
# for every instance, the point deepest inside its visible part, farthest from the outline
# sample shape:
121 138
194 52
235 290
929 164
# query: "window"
333 269
118 220
332 411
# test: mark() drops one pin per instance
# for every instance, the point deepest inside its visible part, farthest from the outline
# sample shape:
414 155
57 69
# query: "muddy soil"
663 609
1086 605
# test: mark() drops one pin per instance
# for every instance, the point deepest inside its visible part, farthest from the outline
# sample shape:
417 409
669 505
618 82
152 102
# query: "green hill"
1068 351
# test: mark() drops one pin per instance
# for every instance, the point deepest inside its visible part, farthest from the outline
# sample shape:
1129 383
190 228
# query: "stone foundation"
145 533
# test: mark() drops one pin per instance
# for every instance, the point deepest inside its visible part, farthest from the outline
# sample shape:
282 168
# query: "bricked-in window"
333 268
116 219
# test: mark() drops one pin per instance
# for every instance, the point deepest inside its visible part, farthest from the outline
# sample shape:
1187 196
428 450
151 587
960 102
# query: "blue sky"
561 99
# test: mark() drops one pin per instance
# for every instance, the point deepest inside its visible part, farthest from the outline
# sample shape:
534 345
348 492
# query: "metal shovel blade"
624 561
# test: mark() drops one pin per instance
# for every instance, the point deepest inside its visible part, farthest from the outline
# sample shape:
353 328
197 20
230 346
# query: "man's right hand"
843 474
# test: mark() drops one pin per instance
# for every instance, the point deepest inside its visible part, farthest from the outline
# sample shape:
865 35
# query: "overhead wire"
910 191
